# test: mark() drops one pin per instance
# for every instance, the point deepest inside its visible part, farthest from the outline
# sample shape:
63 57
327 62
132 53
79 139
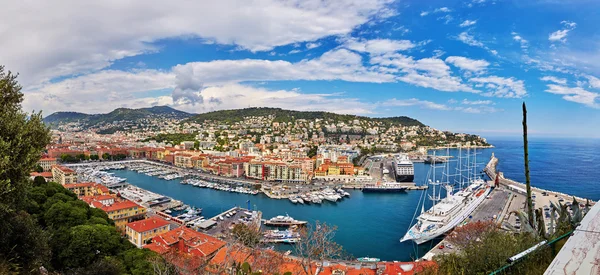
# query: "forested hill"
281 115
120 114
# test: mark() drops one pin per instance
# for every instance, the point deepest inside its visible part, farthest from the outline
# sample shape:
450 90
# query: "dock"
503 201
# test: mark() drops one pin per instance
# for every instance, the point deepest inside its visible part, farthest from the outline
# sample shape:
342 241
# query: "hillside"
120 114
229 116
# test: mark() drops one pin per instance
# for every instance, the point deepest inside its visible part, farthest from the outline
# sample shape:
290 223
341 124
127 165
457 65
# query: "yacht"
447 213
283 221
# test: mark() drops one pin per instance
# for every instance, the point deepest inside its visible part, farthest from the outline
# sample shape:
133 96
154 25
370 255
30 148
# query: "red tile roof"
193 242
64 169
42 174
118 205
147 224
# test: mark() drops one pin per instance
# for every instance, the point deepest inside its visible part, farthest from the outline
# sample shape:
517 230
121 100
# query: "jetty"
504 200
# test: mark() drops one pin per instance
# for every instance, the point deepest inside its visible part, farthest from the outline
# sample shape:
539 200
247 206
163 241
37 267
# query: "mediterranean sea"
372 224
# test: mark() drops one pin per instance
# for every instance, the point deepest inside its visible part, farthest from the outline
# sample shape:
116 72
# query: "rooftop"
147 224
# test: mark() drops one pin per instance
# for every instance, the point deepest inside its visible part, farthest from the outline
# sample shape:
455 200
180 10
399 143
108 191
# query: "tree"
106 156
316 245
23 138
526 157
94 157
39 168
246 235
39 181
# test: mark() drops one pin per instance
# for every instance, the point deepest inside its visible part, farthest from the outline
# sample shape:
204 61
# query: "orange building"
141 232
87 189
186 248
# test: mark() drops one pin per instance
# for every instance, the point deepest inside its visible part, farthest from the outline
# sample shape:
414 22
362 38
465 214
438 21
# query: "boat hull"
405 178
423 238
383 190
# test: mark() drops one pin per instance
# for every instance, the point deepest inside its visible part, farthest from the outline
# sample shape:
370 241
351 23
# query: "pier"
510 196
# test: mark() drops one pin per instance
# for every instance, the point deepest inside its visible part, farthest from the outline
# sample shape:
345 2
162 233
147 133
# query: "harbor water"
371 224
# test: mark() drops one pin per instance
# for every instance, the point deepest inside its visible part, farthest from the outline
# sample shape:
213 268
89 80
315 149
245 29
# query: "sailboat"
447 213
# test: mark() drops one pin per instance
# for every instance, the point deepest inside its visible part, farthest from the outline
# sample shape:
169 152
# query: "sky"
454 65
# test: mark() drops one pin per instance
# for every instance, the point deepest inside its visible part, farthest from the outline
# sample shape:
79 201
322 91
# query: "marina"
386 212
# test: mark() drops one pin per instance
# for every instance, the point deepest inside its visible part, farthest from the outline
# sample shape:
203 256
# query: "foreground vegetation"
44 226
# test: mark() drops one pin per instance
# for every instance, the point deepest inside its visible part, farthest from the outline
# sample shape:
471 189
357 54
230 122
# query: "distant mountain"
282 115
65 117
120 114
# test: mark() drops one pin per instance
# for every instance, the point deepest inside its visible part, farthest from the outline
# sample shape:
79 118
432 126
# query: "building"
120 211
63 175
186 248
87 189
141 232
47 163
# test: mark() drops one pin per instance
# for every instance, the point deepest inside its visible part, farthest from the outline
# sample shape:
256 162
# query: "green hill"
281 115
120 114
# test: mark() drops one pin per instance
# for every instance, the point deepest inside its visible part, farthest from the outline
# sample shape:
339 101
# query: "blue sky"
456 65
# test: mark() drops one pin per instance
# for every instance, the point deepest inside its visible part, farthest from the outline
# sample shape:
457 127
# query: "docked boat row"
317 197
220 186
155 171
281 236
98 175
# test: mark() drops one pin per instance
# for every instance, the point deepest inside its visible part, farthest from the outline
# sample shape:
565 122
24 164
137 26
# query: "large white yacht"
447 213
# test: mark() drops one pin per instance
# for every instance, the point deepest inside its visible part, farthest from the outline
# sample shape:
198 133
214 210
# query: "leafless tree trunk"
316 245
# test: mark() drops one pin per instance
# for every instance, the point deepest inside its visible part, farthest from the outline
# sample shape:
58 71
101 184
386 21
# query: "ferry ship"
447 213
387 187
404 170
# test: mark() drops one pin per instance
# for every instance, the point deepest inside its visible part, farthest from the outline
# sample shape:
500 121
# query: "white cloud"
45 42
99 91
470 40
294 51
312 45
416 102
235 96
426 72
594 81
554 79
575 94
339 64
524 43
378 46
474 65
561 35
442 9
438 53
424 13
501 87
467 23
446 18
425 104
477 102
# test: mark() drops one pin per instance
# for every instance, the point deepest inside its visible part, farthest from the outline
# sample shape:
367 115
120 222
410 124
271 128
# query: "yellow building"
47 163
63 175
121 212
333 171
87 189
141 232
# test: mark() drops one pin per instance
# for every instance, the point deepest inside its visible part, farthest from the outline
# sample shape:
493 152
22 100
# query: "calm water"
372 224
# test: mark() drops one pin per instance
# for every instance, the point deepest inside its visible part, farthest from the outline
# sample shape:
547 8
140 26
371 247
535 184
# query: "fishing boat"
447 213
